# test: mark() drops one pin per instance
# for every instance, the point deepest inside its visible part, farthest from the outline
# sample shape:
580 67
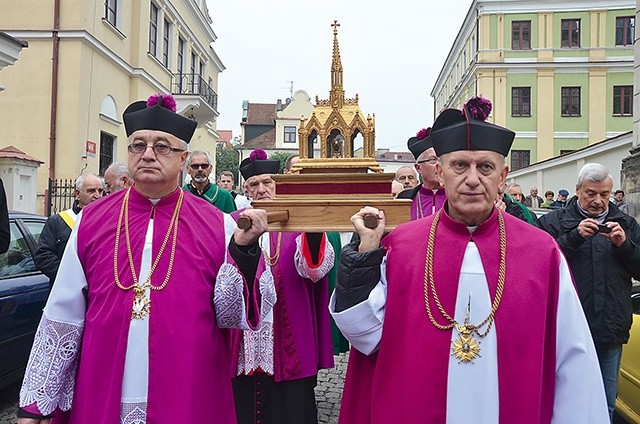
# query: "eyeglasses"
158 148
432 161
196 166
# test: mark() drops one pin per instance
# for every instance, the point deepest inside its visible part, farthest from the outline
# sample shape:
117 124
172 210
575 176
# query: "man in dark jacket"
602 247
57 229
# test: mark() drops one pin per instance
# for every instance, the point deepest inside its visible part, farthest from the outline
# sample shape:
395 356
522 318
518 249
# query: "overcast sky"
391 56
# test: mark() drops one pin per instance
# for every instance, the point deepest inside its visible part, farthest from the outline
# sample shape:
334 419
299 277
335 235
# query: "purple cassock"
275 365
427 202
301 326
537 364
85 361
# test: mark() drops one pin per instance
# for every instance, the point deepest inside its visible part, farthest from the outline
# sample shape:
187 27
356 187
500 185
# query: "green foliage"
282 157
227 160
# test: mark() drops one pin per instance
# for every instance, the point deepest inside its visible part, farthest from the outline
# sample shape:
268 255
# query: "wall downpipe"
54 89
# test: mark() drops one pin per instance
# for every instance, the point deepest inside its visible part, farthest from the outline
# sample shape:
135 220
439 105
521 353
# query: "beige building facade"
87 61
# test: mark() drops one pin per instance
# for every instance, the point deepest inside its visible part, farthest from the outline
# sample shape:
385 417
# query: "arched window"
108 109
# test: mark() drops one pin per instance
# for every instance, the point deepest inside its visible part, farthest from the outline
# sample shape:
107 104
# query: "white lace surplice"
256 349
50 375
51 370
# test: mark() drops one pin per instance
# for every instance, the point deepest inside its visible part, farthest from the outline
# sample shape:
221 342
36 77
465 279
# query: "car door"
23 293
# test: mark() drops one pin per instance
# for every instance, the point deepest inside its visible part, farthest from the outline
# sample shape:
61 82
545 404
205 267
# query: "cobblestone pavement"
329 390
8 404
328 394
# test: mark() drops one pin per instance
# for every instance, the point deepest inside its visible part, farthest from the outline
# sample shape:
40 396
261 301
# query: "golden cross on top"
335 26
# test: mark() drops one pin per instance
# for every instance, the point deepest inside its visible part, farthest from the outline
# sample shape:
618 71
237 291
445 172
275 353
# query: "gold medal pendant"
465 348
141 303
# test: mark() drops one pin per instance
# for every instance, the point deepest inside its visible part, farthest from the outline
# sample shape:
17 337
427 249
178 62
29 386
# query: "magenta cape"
425 200
301 325
405 381
188 353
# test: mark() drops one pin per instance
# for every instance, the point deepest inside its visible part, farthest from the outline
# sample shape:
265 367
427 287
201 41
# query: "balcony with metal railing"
195 98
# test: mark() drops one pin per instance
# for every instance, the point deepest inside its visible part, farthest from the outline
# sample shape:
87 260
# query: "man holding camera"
602 247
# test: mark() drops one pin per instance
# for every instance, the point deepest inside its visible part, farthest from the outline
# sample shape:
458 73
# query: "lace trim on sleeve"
256 351
229 300
51 371
314 274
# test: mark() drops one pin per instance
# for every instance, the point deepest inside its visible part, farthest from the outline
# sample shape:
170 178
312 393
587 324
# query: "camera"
602 228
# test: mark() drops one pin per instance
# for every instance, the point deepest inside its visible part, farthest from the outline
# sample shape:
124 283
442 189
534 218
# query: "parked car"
628 401
23 293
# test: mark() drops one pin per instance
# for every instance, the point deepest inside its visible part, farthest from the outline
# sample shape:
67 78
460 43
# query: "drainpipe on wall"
54 89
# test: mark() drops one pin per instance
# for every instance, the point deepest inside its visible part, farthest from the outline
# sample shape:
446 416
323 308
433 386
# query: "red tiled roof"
225 136
263 141
261 114
12 152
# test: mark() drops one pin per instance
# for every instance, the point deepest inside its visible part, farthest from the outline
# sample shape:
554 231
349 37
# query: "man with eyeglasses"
276 365
445 325
136 330
429 196
199 168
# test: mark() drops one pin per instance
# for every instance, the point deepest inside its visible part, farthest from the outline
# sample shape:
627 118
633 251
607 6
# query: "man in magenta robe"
445 326
275 366
134 329
429 196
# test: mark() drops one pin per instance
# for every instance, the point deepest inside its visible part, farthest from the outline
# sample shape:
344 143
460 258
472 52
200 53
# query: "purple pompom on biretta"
158 113
258 164
455 130
478 107
167 101
423 133
258 154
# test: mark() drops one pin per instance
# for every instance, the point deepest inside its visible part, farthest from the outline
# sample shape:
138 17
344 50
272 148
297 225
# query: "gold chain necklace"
141 302
272 260
465 348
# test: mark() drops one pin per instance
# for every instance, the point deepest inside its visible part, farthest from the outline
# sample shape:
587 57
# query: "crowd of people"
163 310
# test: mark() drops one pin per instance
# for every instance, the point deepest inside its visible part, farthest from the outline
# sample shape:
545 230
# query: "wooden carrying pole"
320 215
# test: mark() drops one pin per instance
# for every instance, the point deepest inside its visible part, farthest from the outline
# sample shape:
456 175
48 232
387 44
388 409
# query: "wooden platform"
321 215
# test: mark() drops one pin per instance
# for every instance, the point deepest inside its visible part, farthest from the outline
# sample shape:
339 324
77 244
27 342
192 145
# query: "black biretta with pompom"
258 164
420 143
158 113
466 129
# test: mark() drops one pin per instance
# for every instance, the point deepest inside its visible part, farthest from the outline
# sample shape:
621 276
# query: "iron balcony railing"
194 84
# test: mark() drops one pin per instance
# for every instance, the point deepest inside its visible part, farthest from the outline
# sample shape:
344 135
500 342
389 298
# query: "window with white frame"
153 30
166 39
111 11
289 134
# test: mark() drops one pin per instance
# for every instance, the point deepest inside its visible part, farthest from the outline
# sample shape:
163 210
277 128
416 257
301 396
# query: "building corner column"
631 164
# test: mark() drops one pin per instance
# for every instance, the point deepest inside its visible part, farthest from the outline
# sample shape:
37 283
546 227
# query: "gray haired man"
602 247
199 168
57 229
117 177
